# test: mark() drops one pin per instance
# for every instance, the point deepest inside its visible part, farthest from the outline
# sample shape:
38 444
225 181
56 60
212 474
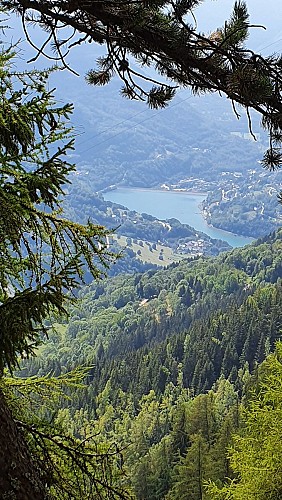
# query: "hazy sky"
212 13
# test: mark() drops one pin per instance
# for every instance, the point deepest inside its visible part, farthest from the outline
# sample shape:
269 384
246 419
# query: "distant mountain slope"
123 142
193 144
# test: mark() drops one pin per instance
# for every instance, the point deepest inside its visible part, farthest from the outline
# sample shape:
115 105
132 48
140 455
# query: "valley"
183 205
140 269
207 153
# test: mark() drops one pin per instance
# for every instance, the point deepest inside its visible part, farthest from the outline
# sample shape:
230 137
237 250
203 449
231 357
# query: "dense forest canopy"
178 373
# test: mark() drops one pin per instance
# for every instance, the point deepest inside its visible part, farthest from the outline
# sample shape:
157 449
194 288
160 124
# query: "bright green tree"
71 458
256 455
189 473
42 254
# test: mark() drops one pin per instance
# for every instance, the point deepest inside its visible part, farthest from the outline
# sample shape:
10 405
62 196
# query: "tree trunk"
19 476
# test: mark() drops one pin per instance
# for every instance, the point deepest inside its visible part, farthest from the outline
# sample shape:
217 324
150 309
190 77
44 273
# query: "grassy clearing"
149 252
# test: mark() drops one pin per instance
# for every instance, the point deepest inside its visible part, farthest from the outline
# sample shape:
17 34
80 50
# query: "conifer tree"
189 473
256 454
42 254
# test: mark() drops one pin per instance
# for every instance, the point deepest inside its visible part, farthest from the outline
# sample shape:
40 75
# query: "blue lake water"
169 204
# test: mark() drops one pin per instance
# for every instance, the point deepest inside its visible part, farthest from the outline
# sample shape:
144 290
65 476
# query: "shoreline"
233 239
159 190
236 235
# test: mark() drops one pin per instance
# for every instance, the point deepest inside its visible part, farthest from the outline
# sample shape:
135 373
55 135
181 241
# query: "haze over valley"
196 144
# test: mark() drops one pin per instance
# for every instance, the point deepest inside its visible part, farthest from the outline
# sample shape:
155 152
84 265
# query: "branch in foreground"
157 33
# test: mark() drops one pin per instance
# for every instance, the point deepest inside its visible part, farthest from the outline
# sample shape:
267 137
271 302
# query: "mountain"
196 141
181 382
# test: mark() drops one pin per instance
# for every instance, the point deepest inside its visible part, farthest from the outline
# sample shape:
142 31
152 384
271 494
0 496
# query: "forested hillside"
185 306
172 353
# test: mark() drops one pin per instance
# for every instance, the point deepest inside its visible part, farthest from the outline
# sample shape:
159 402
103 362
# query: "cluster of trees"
43 255
141 331
191 426
177 445
174 413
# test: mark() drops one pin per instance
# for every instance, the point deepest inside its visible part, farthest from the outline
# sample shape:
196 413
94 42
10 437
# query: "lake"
171 204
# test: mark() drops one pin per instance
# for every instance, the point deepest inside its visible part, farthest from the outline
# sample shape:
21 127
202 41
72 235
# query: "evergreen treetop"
43 255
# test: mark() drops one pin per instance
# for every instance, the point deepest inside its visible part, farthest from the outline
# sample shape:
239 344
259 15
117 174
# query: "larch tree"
256 454
163 34
43 256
